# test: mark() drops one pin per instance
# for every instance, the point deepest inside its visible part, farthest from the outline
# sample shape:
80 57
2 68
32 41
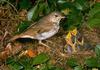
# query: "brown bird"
45 28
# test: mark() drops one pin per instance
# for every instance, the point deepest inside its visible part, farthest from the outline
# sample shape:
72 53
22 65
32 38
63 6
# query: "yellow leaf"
66 11
74 32
68 36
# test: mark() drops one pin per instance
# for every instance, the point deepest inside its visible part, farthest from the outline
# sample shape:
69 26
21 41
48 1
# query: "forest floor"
9 20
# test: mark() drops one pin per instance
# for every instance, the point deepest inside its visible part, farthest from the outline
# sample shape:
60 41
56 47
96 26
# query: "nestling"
45 28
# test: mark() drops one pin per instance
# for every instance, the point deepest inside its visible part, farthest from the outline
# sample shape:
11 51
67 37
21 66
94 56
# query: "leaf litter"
9 20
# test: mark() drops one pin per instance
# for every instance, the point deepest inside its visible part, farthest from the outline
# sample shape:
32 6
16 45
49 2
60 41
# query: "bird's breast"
48 34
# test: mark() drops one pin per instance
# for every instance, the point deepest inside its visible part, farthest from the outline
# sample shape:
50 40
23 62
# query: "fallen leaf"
31 53
0 37
68 36
97 0
23 14
74 32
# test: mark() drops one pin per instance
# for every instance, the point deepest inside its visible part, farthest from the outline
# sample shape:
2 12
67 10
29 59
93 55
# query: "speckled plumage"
43 29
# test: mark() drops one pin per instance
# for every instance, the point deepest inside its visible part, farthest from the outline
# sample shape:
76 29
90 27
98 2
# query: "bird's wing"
34 30
39 28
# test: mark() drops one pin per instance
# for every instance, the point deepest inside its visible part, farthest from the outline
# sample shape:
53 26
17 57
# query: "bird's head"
55 17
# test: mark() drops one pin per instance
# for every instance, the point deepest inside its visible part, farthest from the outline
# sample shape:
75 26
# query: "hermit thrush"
43 29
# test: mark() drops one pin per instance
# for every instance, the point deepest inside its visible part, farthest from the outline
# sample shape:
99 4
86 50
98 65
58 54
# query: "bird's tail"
21 36
14 38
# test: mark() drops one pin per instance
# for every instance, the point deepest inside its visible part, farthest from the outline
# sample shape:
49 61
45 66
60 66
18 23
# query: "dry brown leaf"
31 53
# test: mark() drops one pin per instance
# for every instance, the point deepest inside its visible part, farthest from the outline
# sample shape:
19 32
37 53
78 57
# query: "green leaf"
55 68
97 50
41 58
94 22
41 7
74 17
37 10
78 68
62 1
15 66
94 16
94 10
22 26
46 9
92 62
35 14
73 20
32 12
65 5
97 15
43 67
26 62
25 4
52 4
72 62
10 60
81 4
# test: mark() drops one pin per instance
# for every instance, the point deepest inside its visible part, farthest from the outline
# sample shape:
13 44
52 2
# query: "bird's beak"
63 17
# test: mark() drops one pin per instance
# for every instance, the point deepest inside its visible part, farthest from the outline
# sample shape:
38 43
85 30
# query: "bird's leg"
48 41
40 42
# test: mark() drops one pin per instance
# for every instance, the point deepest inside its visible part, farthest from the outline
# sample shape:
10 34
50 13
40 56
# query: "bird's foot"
41 43
48 41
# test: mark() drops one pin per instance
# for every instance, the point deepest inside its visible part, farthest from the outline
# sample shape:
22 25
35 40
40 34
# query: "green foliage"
94 16
55 68
32 13
97 50
89 62
92 62
16 66
53 5
77 9
75 15
78 68
95 9
41 58
50 67
72 62
81 4
22 26
27 63
41 7
13 64
25 4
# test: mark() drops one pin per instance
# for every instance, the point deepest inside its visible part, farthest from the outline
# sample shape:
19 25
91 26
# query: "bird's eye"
56 15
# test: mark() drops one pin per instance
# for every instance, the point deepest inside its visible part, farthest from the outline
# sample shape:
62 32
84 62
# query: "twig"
10 50
5 34
84 53
11 5
7 19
